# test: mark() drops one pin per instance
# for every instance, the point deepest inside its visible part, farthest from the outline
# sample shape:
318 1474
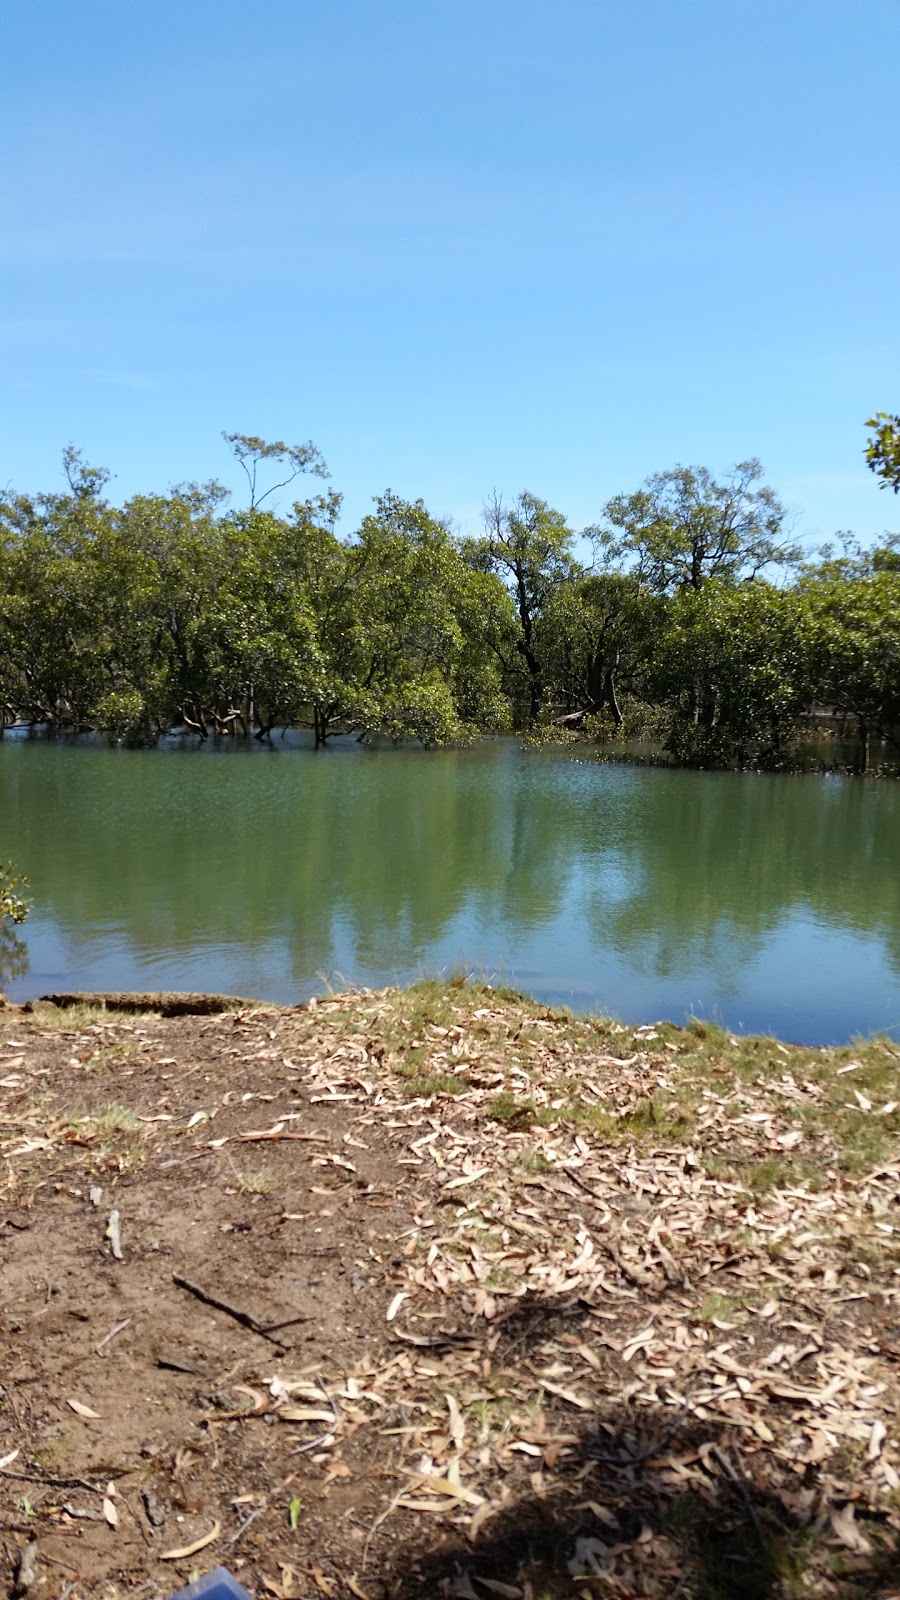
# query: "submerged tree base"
812 753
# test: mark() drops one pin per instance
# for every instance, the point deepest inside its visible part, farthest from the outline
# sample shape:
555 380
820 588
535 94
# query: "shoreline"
174 1003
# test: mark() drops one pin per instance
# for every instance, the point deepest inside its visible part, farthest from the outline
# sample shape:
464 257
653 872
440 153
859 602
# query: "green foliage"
174 611
250 452
733 667
683 528
528 546
883 449
854 620
12 905
13 909
597 636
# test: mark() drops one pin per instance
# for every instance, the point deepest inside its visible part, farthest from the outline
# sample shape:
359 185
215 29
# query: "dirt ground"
440 1293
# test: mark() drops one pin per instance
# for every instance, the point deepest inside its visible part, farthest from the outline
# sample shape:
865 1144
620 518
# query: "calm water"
769 903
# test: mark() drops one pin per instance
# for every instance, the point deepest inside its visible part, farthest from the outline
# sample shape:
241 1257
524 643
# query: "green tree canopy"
883 449
683 528
528 545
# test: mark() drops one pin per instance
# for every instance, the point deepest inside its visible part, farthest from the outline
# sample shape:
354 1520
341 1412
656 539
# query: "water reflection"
645 890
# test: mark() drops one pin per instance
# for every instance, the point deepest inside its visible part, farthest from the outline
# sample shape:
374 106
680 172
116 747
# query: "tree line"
685 612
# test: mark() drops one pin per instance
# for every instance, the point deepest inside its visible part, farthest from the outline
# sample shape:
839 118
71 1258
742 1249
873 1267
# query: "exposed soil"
408 1295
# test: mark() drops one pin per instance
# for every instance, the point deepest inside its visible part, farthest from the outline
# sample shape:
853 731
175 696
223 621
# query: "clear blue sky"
490 243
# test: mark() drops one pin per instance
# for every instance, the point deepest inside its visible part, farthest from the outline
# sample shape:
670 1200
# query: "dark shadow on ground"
646 1502
722 1538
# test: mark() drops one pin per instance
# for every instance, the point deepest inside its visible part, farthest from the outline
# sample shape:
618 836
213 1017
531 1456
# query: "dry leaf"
191 1549
457 1425
82 1410
470 1177
481 1517
603 1514
443 1486
820 1448
303 1414
843 1524
567 1394
354 1588
110 1512
323 1583
395 1305
876 1439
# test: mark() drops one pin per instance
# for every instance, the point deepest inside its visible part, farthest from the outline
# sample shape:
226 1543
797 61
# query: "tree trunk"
609 696
535 678
863 763
196 721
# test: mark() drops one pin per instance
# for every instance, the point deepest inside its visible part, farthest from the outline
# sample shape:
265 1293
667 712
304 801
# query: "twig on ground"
378 1521
111 1335
737 1481
229 1544
272 1327
53 1480
243 1317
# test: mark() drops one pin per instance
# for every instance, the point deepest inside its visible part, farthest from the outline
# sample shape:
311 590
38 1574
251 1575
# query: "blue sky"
488 244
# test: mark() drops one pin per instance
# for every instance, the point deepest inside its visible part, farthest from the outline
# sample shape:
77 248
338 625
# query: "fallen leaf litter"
558 1316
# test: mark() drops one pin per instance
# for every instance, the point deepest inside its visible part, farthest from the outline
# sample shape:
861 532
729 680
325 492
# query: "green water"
771 903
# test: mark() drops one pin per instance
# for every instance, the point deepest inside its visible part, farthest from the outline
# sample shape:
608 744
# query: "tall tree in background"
732 667
250 452
684 528
419 668
529 546
596 636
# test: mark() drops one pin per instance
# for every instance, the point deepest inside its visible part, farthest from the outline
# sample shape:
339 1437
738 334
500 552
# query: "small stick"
111 1335
230 1543
147 1538
739 1484
272 1327
173 1364
379 1520
243 1317
54 1481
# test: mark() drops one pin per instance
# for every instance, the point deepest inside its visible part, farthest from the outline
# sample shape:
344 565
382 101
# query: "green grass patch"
839 1099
